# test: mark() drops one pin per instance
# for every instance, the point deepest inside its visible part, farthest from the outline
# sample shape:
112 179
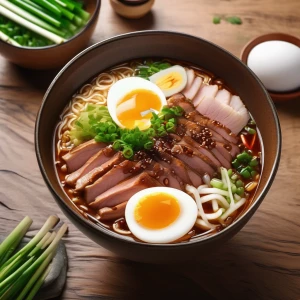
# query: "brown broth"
78 200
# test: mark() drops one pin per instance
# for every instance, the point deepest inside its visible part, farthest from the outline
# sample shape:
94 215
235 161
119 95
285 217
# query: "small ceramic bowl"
131 11
178 46
277 97
53 56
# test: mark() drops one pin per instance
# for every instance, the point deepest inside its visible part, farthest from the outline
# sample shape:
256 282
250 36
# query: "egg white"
126 85
175 69
182 225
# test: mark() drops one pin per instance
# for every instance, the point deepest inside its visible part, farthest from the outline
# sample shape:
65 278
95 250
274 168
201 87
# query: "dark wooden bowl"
277 97
53 56
156 44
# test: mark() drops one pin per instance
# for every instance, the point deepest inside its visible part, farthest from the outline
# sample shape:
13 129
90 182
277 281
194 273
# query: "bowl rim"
278 36
89 224
44 48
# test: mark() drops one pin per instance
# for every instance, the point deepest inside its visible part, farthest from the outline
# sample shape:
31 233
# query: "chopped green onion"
234 177
244 157
239 183
245 173
8 39
253 174
250 130
253 162
236 164
216 183
233 188
240 191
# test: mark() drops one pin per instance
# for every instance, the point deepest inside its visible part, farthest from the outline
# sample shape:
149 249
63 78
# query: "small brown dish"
132 9
54 56
277 97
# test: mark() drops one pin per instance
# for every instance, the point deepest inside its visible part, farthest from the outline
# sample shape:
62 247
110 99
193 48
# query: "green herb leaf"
234 20
216 20
149 68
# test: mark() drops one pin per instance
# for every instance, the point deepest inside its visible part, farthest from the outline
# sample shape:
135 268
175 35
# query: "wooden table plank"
261 262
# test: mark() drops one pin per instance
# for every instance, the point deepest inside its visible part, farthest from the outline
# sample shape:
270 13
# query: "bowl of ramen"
158 153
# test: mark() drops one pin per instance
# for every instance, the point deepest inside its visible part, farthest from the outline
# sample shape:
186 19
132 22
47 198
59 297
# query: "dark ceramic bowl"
276 96
54 56
156 44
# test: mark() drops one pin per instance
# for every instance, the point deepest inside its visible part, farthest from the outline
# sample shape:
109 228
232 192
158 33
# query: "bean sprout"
201 212
219 198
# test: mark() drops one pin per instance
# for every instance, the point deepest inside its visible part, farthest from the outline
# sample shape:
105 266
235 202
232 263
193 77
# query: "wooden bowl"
178 46
131 12
277 97
53 56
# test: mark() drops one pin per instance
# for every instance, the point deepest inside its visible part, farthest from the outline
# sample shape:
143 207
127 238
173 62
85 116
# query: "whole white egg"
152 217
277 64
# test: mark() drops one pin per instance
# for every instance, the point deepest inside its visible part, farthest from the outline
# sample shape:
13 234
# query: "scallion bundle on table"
23 273
37 23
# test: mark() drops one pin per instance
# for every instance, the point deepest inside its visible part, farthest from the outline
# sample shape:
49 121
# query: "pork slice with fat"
190 92
113 177
96 160
78 156
164 176
97 172
124 191
112 213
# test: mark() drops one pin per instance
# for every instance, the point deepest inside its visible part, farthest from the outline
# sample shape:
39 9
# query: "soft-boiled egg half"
160 214
131 101
171 80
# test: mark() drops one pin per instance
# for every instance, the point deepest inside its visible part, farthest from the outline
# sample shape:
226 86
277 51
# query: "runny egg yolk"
131 106
157 210
171 80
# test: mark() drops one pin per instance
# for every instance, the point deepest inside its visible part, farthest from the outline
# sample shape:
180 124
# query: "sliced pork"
195 160
113 177
190 78
223 96
186 140
96 160
97 172
193 115
124 191
78 156
236 103
175 165
205 91
191 91
182 101
164 176
220 132
233 119
112 213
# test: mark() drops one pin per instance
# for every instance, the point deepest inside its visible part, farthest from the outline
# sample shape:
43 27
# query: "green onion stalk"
53 21
22 274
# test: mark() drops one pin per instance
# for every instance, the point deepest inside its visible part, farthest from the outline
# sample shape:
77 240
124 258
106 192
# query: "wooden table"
261 262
